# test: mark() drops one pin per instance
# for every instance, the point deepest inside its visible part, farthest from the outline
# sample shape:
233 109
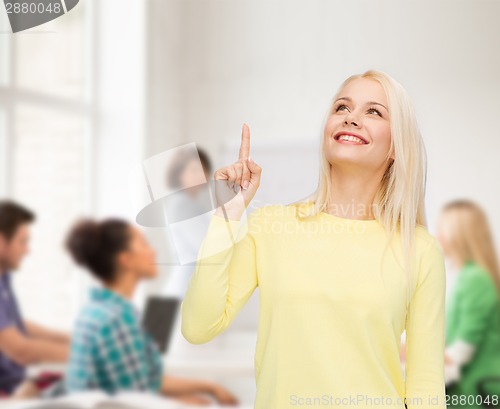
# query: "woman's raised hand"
236 184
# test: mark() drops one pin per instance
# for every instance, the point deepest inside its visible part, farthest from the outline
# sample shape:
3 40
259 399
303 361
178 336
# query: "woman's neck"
458 262
352 194
125 285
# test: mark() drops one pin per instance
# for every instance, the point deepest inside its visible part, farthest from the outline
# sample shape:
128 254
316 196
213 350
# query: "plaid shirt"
109 349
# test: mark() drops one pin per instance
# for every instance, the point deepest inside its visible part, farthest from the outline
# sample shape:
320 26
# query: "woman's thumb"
253 167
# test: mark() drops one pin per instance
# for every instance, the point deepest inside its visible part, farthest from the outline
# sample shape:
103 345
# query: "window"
46 133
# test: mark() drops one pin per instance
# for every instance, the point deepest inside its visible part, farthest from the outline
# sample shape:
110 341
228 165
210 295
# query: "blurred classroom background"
86 98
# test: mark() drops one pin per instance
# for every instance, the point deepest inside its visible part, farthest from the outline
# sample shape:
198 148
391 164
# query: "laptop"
159 319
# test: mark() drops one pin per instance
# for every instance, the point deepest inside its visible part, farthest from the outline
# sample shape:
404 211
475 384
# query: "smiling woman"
357 119
333 301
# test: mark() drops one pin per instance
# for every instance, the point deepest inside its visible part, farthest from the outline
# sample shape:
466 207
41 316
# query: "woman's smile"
349 140
350 137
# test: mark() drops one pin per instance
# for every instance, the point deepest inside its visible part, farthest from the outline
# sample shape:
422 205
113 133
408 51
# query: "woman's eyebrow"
368 103
377 103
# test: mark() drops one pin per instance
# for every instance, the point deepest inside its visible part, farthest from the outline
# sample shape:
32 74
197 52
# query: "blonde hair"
466 230
399 201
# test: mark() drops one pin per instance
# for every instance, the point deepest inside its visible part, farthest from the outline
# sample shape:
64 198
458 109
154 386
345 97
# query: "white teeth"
350 138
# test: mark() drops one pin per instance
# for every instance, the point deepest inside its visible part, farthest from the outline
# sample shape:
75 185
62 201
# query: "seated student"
110 351
21 342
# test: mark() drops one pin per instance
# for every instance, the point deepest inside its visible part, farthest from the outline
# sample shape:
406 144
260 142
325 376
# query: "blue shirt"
110 350
11 374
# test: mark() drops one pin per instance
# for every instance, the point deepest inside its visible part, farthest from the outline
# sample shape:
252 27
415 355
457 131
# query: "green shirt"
473 316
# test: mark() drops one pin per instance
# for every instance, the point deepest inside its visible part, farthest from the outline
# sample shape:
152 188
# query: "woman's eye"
375 110
340 107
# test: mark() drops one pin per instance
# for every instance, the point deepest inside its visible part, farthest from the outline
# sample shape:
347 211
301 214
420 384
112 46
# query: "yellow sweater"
332 309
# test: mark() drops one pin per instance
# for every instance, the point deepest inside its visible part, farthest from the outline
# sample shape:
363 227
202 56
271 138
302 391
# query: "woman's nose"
352 122
350 119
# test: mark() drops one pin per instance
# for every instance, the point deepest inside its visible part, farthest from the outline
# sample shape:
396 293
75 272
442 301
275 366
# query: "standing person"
21 342
110 350
187 175
473 310
341 274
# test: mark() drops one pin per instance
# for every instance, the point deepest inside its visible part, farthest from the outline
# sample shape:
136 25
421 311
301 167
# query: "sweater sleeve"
225 277
425 334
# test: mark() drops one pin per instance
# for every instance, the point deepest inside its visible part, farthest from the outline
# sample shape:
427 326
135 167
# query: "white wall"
120 87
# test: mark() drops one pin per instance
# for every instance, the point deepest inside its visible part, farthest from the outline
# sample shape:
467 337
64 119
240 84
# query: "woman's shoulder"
472 268
98 317
426 241
476 286
473 274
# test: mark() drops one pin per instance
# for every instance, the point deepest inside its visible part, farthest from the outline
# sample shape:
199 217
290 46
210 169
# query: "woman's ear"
123 260
3 244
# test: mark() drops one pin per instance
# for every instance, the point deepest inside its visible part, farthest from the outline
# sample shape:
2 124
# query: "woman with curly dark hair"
110 350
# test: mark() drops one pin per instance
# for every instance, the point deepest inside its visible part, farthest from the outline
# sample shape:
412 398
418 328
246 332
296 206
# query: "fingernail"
250 159
245 184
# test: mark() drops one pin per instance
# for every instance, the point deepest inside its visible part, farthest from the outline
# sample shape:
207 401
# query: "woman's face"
193 174
140 257
360 109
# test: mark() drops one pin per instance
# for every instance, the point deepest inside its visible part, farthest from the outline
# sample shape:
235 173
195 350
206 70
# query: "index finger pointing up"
245 142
